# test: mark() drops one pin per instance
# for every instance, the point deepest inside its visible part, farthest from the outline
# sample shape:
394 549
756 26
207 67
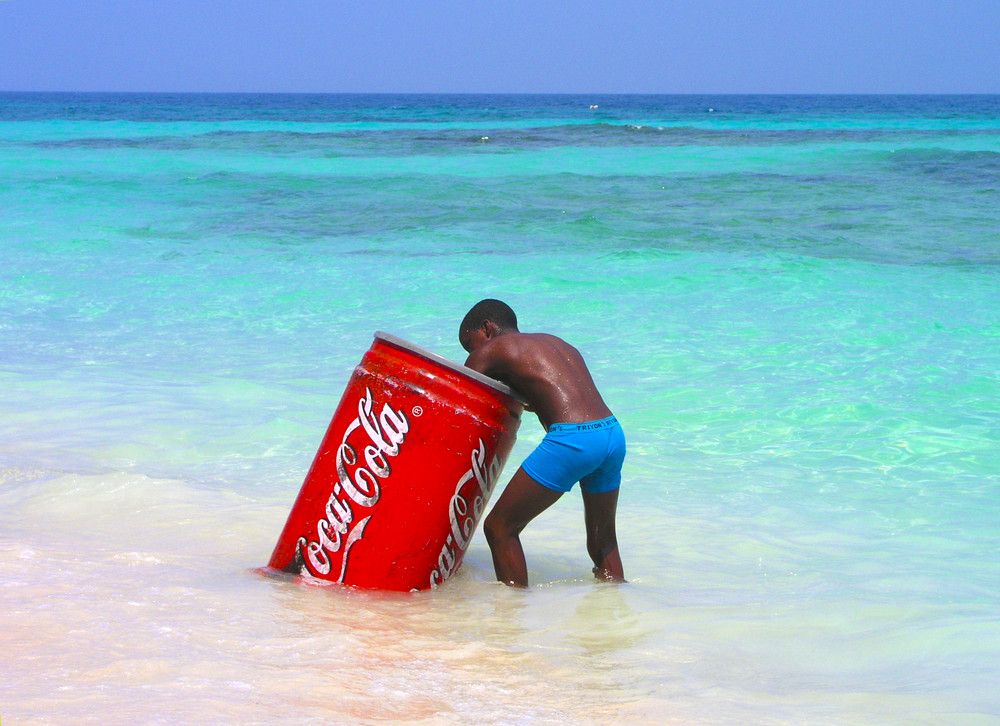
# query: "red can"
403 474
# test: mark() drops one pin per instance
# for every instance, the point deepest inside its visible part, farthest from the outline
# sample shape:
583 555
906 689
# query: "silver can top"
452 365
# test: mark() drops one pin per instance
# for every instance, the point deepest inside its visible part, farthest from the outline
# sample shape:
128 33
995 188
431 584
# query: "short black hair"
497 311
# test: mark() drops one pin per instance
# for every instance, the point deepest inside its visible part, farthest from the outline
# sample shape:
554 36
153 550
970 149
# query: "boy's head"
486 319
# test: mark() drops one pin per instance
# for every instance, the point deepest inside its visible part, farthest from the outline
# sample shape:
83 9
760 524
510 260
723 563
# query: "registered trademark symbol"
418 411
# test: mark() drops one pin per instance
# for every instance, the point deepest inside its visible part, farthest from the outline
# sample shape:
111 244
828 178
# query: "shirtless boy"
584 441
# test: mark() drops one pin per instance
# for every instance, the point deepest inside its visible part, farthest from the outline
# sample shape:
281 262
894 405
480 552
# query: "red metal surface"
403 474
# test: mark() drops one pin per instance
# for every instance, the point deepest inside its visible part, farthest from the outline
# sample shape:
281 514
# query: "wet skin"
553 378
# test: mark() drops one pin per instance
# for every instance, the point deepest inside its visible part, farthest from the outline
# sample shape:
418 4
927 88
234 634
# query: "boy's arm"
488 361
485 360
475 362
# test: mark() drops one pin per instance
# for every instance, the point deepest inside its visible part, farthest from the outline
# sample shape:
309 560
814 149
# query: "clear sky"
559 46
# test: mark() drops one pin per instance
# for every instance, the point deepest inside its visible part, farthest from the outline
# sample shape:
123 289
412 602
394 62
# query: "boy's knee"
496 528
491 528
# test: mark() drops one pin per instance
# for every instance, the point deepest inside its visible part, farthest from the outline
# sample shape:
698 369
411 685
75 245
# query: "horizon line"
513 93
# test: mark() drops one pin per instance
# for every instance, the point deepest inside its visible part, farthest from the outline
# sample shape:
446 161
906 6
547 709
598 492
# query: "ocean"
791 303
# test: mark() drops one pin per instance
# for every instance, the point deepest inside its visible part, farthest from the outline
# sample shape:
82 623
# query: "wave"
977 167
352 142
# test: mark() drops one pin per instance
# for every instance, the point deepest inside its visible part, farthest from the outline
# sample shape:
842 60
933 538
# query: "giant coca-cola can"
403 474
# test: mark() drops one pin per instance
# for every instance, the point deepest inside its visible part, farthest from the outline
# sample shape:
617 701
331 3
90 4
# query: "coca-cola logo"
359 483
464 514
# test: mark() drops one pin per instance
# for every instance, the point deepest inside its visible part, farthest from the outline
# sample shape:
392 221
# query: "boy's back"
549 372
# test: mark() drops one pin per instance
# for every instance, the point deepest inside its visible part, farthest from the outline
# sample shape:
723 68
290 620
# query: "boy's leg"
522 500
599 510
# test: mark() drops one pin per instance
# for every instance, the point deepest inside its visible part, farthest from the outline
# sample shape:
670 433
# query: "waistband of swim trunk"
586 426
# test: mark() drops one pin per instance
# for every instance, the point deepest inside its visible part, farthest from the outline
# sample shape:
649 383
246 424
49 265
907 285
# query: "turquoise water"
791 303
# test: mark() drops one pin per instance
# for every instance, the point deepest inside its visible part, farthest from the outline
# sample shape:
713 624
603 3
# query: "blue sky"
640 46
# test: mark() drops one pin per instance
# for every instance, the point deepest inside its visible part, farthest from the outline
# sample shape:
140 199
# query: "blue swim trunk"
590 453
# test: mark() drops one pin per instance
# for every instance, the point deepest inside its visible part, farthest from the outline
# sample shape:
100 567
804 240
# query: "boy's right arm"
485 361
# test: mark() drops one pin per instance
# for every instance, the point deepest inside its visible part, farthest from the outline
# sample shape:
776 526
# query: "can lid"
457 367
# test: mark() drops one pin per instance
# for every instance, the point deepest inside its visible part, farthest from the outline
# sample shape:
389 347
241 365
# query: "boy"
584 441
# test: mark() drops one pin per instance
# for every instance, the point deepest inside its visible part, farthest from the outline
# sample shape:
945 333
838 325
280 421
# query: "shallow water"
790 303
